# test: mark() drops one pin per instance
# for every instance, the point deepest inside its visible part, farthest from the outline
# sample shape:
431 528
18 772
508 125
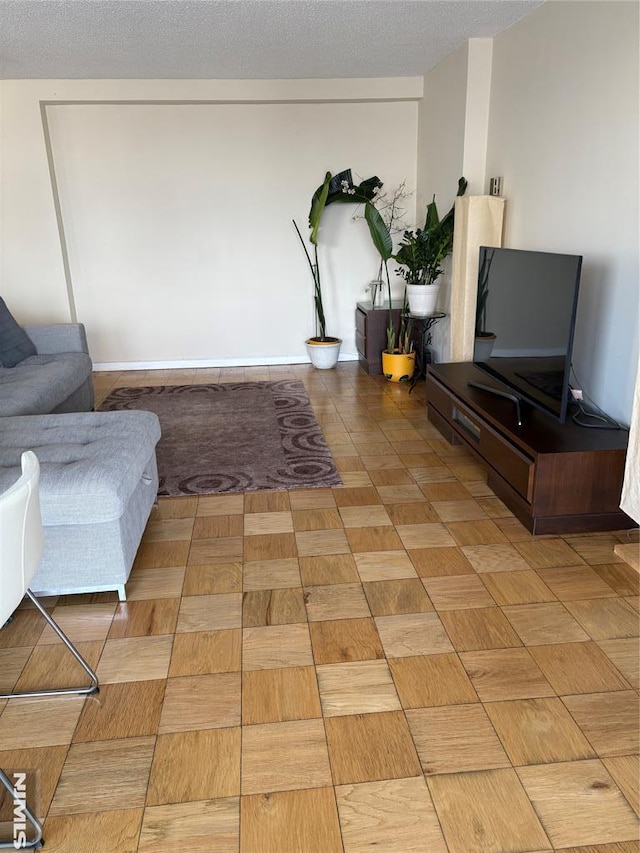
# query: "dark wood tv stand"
556 478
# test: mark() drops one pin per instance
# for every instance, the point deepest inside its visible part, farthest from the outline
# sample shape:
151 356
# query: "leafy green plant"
335 189
422 252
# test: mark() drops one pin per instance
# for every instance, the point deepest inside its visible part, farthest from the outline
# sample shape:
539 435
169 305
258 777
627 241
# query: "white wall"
175 205
563 133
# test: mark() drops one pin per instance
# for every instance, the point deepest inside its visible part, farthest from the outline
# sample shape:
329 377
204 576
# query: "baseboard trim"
189 364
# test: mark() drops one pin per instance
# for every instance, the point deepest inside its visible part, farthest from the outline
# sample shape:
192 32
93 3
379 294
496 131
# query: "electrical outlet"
576 393
495 186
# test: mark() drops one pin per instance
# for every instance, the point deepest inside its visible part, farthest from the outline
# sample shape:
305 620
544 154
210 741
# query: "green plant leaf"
318 204
379 232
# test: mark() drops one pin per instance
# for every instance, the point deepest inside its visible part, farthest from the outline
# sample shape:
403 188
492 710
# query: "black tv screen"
525 318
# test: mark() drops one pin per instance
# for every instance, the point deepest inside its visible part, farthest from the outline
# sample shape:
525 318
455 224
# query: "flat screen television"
525 320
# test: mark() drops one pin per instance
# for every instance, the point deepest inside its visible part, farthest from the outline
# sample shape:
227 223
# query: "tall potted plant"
324 349
421 254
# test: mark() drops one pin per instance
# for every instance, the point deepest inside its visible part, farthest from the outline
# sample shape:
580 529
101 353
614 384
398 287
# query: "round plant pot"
422 298
483 346
398 367
324 352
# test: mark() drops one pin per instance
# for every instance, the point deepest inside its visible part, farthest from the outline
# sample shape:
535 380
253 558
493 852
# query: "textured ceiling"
244 39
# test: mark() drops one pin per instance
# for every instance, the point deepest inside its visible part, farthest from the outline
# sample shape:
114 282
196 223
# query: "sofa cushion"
15 343
41 383
90 462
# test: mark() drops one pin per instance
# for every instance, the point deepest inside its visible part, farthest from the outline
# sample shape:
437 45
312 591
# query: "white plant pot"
422 298
324 354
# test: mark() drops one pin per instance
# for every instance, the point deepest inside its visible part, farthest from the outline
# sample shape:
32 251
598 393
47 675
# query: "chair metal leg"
17 844
64 691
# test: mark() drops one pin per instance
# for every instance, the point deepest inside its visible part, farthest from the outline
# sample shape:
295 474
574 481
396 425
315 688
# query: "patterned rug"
233 437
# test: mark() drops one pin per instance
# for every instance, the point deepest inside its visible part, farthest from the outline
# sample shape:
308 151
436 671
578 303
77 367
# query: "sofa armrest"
58 337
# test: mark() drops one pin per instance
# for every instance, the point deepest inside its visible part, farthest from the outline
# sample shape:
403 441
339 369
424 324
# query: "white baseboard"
189 364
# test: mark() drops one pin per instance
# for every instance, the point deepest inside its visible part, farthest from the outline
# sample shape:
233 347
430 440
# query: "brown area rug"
233 437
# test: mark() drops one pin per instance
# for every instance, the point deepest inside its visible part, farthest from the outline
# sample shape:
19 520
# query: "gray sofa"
98 474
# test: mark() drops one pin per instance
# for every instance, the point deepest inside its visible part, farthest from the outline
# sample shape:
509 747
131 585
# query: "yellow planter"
398 367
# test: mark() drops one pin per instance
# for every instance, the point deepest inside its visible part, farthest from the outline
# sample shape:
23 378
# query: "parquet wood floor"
394 665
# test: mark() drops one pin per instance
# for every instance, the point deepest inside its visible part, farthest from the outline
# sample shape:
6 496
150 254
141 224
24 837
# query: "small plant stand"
422 328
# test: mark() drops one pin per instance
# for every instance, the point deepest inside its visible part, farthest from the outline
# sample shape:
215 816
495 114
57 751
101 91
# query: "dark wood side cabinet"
371 335
556 478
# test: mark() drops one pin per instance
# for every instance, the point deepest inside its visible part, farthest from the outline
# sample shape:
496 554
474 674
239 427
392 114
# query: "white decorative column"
479 220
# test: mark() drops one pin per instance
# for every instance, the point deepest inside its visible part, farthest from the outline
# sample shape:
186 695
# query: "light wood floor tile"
12 662
517 588
548 553
327 518
367 539
101 832
482 628
126 710
53 667
457 592
160 555
540 624
200 827
43 766
364 496
365 516
277 501
271 574
284 756
182 507
135 659
218 526
387 598
445 492
595 548
328 569
625 770
273 607
168 529
276 646
384 565
202 652
39 722
407 494
380 463
625 656
81 623
371 747
538 731
338 641
578 803
268 522
609 720
495 558
338 601
489 808
427 680
458 510
574 582
220 505
501 674
190 766
210 613
201 702
393 477
606 618
440 562
577 668
223 549
394 815
358 687
155 583
493 506
294 821
413 634
414 512
144 618
418 536
483 532
214 579
312 499
106 775
279 695
455 739
315 543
